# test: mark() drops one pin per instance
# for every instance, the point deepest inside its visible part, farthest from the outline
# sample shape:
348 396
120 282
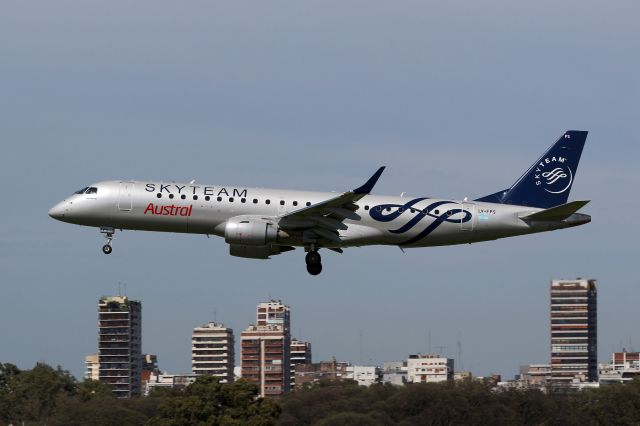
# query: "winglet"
368 186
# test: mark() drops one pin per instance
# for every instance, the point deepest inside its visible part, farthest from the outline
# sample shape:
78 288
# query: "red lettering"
171 210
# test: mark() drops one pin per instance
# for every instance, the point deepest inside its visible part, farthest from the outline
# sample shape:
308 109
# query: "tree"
209 402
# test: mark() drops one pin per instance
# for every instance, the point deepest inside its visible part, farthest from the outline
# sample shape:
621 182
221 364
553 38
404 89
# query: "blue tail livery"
548 181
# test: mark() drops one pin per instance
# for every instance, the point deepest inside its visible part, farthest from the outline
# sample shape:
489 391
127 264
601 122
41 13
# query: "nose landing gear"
108 232
314 262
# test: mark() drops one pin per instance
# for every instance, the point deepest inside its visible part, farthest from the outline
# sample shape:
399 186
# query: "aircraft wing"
325 219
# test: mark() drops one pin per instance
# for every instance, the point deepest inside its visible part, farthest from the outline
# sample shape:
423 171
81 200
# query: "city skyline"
455 99
572 308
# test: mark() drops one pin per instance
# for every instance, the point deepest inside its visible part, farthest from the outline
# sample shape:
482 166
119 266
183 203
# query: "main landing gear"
108 232
314 262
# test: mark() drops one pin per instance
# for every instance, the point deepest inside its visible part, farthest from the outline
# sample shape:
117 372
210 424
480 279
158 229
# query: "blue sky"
455 98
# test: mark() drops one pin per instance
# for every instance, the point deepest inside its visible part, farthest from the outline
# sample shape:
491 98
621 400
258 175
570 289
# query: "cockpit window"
92 190
81 191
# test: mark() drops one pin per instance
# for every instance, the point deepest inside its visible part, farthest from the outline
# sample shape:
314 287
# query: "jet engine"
257 252
253 237
250 231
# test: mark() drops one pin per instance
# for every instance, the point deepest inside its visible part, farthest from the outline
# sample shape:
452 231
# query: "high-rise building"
92 367
574 343
266 349
119 344
265 358
149 367
212 351
274 312
300 354
429 368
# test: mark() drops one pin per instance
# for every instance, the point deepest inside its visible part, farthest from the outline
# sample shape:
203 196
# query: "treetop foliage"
51 396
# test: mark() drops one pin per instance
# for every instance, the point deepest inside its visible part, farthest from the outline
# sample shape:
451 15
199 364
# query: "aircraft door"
471 209
125 197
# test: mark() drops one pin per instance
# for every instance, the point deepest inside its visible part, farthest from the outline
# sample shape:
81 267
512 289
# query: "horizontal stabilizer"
557 213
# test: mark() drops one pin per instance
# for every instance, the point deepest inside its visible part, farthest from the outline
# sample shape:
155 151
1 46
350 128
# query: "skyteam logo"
553 175
437 213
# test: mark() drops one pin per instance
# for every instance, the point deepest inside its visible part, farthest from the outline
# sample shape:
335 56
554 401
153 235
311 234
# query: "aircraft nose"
57 211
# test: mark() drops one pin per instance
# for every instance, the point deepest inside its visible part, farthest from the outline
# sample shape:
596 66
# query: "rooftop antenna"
429 341
215 315
360 335
125 289
460 351
441 349
119 288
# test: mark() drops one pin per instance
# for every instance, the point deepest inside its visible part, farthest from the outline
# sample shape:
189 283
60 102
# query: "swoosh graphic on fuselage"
379 213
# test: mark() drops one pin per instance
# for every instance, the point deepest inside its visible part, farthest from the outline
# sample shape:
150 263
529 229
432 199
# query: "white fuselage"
386 220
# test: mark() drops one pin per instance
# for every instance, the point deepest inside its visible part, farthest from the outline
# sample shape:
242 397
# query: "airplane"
259 223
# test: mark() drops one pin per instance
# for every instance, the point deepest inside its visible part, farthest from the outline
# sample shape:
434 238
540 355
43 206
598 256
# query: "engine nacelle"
250 231
253 252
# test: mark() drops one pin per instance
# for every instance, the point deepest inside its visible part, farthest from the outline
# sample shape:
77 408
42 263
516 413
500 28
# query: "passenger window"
437 212
255 201
282 202
170 195
195 197
159 195
242 200
219 198
308 203
413 210
207 198
183 196
231 199
366 207
388 209
295 203
400 209
267 201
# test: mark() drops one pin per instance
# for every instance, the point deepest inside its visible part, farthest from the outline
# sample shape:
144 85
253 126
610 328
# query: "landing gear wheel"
314 269
106 249
313 258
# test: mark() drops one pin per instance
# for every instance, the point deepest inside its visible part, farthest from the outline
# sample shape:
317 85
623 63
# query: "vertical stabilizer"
548 181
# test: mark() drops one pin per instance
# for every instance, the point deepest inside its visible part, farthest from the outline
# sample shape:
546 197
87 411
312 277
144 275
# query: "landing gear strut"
314 262
108 232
